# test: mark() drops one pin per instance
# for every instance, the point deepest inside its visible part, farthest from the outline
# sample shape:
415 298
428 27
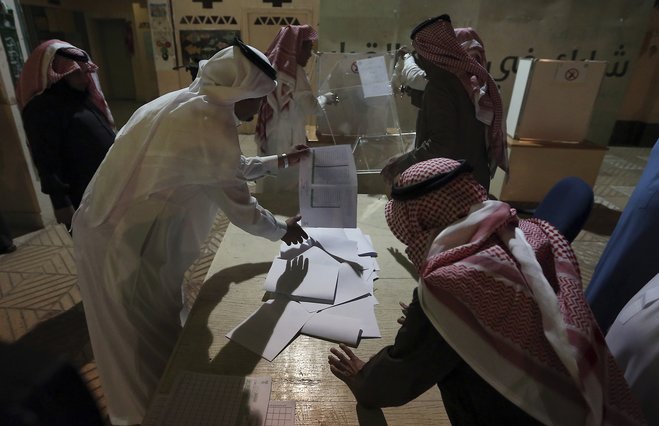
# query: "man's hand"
298 152
331 98
404 307
390 172
402 51
346 364
294 232
65 216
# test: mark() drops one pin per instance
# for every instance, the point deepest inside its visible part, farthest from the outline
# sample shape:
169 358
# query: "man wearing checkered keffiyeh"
67 121
461 115
283 114
498 320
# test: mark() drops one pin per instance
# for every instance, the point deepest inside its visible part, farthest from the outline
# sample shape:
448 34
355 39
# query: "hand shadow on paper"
259 327
295 272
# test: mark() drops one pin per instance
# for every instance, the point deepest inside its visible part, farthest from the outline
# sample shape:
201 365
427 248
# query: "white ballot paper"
349 286
361 309
364 243
335 242
320 288
374 77
328 188
273 326
336 328
356 314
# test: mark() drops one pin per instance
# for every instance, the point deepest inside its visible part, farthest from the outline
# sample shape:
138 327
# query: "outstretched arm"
252 168
397 374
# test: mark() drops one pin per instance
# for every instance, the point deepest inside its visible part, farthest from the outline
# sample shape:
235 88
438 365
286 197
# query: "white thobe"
287 127
634 342
147 212
133 301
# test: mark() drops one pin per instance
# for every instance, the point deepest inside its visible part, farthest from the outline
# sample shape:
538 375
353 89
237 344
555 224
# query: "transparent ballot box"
366 115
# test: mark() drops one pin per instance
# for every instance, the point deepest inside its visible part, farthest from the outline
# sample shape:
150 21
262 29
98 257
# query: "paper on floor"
268 330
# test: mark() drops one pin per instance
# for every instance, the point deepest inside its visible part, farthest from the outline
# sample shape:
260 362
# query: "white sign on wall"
162 35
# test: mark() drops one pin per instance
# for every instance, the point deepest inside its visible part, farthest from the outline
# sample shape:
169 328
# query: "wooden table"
233 291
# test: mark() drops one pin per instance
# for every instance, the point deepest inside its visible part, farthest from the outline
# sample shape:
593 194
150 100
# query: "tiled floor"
41 306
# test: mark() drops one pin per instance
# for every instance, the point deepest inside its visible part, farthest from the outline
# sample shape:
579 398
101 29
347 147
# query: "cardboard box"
535 166
553 100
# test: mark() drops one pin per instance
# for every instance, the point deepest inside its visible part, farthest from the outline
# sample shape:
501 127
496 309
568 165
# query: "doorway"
115 40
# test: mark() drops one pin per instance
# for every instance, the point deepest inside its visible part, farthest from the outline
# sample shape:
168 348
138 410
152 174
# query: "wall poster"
202 44
162 35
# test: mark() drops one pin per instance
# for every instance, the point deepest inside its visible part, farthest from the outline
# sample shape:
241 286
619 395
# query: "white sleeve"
412 75
245 212
322 102
252 168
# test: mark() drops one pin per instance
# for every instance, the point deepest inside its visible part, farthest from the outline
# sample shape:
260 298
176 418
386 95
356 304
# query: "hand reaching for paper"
294 232
344 365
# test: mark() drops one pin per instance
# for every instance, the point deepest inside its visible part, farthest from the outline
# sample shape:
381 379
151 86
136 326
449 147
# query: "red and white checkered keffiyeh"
463 55
284 49
44 68
417 221
471 42
282 53
506 295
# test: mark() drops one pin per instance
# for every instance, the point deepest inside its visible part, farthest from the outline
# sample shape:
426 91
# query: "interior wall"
20 204
146 84
640 101
200 29
115 37
132 39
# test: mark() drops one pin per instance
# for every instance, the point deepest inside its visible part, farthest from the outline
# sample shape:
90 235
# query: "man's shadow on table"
233 358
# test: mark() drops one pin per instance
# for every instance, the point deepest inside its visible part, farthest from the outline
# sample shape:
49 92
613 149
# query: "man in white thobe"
150 206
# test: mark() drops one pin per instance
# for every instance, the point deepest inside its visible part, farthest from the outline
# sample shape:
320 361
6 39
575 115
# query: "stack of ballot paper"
322 288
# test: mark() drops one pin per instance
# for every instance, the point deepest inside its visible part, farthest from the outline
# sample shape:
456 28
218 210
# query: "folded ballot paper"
322 288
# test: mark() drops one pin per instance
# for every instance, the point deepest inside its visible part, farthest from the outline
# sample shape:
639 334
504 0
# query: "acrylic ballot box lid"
366 115
552 100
